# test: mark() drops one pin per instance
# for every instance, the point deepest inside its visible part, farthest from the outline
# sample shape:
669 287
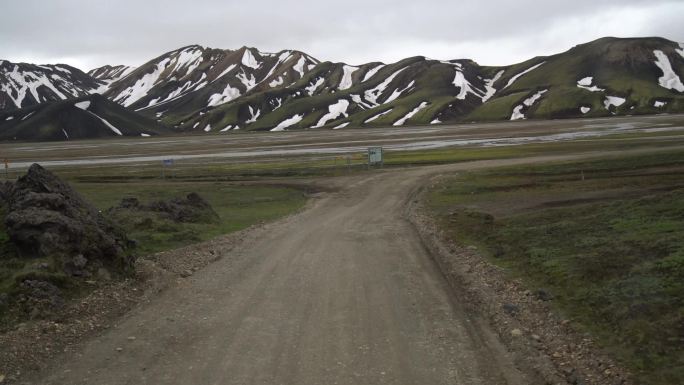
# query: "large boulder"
47 218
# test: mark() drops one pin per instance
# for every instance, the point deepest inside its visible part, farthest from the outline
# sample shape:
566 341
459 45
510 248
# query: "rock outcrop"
191 209
47 218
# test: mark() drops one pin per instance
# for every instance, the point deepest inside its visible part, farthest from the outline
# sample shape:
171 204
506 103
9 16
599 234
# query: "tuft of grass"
605 237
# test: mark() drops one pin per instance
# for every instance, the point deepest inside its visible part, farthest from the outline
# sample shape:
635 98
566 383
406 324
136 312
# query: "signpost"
166 163
375 156
6 161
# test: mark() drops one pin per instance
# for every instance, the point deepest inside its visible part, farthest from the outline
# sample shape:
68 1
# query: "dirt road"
342 293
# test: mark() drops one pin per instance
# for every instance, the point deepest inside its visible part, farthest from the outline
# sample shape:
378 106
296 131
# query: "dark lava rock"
543 295
510 308
192 208
129 203
40 296
47 218
5 188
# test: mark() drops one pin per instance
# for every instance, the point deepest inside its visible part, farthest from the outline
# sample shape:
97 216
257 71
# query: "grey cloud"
89 33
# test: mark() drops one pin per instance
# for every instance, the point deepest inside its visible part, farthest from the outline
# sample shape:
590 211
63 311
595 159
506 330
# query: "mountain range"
208 90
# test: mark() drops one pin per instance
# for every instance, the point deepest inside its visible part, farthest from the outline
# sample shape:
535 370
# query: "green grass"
605 237
499 108
283 168
238 207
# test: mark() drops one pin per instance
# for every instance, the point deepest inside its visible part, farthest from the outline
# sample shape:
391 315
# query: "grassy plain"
605 237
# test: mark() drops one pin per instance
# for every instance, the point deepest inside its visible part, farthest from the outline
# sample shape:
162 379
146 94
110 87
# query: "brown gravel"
29 346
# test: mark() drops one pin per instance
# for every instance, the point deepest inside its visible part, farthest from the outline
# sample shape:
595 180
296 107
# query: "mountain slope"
91 116
603 77
25 85
607 76
331 94
195 88
109 74
211 76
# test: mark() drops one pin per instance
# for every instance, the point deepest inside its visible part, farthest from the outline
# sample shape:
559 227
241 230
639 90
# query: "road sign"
375 155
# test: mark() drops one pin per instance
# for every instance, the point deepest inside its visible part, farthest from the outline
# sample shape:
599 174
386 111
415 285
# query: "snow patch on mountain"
111 127
517 111
372 72
398 92
518 76
613 101
334 112
277 103
228 94
299 67
276 82
489 86
225 71
343 125
585 110
464 85
288 122
373 94
254 115
249 82
681 50
669 80
585 83
659 104
249 60
189 58
346 81
84 105
108 76
436 121
408 116
207 128
374 117
142 86
282 58
313 86
357 99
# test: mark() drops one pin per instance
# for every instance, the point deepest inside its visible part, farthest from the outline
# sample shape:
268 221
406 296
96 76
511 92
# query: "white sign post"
375 156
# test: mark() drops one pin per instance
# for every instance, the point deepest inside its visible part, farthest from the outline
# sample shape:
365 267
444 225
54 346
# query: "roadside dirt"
345 292
535 334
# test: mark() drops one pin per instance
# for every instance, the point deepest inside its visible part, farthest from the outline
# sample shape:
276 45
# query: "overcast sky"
90 33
